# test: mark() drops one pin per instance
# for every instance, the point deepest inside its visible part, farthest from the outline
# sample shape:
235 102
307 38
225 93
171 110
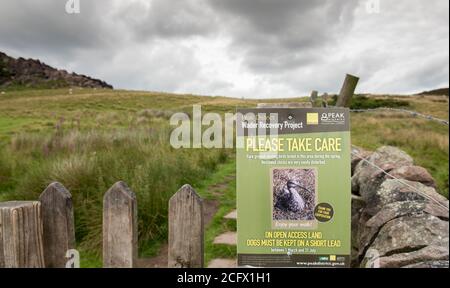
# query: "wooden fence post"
21 235
185 229
314 96
325 100
120 227
315 100
58 222
347 91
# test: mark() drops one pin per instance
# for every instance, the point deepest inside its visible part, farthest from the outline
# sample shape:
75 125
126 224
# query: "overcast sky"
239 48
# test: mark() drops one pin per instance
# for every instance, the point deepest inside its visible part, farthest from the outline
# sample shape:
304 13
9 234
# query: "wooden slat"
185 229
119 227
21 229
58 222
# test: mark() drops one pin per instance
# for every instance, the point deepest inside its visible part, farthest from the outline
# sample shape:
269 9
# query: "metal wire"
413 113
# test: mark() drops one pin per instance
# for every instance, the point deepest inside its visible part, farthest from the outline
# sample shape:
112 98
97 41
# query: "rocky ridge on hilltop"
35 74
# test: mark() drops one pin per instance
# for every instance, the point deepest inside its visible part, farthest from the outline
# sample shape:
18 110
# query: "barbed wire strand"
399 180
413 113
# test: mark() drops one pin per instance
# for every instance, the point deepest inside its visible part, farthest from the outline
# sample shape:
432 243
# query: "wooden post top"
58 187
17 204
185 190
120 189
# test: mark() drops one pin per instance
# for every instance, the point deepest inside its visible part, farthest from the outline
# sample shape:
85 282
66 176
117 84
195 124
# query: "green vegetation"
90 139
44 85
220 187
366 102
425 141
3 71
89 162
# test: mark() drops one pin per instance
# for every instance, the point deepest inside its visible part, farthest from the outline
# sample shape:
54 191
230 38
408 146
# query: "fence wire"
412 113
398 180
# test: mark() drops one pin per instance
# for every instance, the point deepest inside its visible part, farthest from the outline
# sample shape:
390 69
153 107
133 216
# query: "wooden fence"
38 234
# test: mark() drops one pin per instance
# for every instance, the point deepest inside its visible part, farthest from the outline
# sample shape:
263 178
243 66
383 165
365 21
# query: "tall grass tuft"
89 162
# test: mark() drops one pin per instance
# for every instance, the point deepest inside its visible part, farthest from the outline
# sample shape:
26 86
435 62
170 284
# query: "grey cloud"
168 19
280 47
266 16
45 26
286 34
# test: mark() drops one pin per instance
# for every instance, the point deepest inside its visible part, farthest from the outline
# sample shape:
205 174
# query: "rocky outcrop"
400 215
35 74
441 91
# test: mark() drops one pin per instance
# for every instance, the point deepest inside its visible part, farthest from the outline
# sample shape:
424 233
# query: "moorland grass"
89 139
90 162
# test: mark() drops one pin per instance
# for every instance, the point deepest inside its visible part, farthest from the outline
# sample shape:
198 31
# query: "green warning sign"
293 187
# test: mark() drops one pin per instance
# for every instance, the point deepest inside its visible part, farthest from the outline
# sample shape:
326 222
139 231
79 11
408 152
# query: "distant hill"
35 74
442 91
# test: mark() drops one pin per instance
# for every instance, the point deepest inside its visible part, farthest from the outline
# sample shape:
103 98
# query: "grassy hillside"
89 139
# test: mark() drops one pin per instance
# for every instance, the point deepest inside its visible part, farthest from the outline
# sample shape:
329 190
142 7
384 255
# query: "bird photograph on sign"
294 194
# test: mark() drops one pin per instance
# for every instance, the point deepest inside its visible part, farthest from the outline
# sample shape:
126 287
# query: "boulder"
369 227
414 173
367 178
358 154
412 233
392 190
425 255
